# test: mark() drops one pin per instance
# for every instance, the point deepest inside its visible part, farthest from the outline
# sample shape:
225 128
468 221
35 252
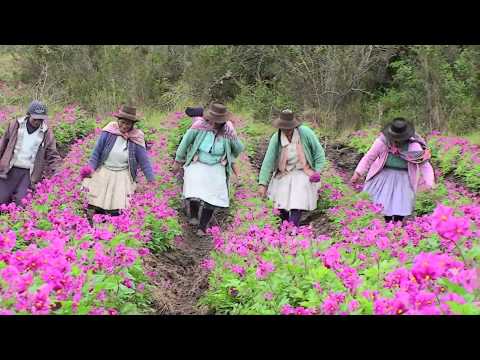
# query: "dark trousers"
394 218
206 213
15 187
101 211
292 216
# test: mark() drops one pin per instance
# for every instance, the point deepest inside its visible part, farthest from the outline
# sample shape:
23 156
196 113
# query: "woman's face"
218 126
288 132
398 143
125 125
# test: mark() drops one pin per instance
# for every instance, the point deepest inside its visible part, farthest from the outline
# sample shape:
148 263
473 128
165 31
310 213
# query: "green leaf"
76 270
452 287
463 309
129 309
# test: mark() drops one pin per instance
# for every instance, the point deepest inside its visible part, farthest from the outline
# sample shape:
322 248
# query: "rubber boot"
194 207
295 216
204 220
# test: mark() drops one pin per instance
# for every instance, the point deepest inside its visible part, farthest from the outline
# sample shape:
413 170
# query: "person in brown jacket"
28 153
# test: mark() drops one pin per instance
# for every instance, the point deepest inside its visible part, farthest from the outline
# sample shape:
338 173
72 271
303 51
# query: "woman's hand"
355 178
177 166
86 172
262 191
235 181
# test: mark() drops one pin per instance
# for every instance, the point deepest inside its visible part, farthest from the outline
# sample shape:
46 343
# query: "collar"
284 140
23 120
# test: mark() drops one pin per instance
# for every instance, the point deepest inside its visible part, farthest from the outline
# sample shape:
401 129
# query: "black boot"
204 220
113 212
194 207
284 215
295 216
397 218
388 219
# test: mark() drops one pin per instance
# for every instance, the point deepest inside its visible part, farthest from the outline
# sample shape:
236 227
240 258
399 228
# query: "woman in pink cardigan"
398 166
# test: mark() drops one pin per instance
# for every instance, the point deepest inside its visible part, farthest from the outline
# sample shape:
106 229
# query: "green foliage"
363 140
257 133
427 201
468 171
163 232
435 86
176 134
66 134
263 100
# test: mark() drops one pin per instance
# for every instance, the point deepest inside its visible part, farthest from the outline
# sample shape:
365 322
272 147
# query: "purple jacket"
137 155
421 176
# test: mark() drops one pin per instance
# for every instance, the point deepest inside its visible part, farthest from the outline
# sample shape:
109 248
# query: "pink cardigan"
421 176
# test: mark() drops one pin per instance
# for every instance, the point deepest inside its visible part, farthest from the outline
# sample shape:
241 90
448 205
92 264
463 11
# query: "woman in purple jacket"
114 163
398 165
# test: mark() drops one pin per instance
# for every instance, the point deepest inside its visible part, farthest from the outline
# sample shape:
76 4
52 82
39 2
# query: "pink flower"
350 278
8 241
304 311
287 309
427 266
441 215
237 269
41 301
86 171
353 305
317 287
112 311
208 264
383 242
315 177
455 229
329 306
264 268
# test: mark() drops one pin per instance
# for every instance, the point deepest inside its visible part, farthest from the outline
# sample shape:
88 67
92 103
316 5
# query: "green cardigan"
193 138
314 153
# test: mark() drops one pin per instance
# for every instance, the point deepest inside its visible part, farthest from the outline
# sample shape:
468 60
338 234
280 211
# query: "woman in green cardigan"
295 157
207 152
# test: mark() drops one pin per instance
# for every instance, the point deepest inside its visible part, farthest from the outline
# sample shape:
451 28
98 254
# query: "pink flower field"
53 261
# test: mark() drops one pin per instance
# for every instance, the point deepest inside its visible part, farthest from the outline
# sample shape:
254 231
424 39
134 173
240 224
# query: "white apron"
293 190
206 182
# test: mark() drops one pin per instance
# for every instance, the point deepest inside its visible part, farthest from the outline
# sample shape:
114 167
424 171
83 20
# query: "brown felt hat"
399 130
128 113
286 120
217 113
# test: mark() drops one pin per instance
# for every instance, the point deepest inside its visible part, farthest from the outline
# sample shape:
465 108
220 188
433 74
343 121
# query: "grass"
152 118
7 67
474 138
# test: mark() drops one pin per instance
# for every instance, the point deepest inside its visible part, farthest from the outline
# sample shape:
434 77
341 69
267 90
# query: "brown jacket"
47 159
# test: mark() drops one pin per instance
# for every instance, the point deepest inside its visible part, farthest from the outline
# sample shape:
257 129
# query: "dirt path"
180 279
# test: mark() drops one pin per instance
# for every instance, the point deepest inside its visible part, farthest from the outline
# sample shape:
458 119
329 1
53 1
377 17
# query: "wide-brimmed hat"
128 113
286 120
37 110
399 130
217 113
